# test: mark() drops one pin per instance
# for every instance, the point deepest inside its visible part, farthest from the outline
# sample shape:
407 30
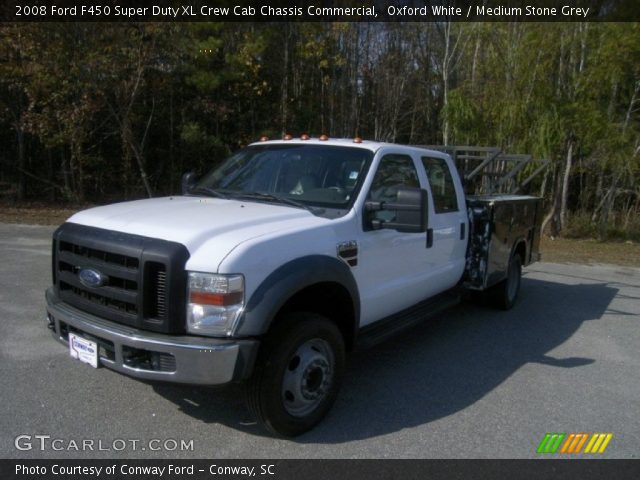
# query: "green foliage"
462 113
204 150
87 108
620 227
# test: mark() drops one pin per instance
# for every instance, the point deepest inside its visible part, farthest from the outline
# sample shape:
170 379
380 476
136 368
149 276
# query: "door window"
394 171
443 190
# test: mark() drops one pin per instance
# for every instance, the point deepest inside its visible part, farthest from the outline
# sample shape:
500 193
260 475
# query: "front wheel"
505 293
297 374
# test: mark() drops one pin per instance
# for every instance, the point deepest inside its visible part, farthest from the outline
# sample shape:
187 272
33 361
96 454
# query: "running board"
394 324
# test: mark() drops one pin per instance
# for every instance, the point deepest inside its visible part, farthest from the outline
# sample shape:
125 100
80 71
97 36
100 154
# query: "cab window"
394 171
443 190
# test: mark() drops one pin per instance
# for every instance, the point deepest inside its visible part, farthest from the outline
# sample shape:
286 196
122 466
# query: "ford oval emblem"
92 278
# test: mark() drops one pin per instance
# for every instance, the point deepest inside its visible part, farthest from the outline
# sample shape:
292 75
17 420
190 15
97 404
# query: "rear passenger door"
448 222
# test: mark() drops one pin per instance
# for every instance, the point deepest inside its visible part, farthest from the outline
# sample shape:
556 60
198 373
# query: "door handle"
429 237
463 228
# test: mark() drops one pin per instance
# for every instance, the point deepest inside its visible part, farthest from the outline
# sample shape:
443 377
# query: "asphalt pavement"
472 383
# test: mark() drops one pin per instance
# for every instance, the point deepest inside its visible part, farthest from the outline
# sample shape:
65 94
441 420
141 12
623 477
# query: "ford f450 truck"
275 264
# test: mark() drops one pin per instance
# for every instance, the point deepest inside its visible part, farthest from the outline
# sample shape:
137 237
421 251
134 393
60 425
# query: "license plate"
84 350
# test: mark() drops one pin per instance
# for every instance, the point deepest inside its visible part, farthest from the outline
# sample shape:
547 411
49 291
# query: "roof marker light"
357 140
287 136
323 138
264 138
304 136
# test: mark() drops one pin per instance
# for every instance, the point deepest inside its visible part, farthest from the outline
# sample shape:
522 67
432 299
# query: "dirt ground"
36 214
559 250
590 251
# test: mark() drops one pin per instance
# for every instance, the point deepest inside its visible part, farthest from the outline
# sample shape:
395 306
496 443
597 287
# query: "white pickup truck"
279 261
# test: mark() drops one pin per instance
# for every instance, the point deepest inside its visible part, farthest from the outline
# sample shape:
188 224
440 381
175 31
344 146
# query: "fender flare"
514 247
288 279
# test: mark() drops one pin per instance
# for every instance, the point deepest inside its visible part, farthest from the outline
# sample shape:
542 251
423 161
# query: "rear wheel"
297 374
505 293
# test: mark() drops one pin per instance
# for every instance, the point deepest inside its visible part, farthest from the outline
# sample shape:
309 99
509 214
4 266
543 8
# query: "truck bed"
498 223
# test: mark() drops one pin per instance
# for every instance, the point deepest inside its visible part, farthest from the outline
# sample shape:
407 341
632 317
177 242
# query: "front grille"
118 296
85 296
100 255
136 276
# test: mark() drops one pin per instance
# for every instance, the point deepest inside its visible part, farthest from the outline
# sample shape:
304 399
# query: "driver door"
393 268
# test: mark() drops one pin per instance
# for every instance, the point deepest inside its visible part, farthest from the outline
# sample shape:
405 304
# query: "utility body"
273 266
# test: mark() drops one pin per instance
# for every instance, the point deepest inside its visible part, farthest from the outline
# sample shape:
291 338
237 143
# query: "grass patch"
571 250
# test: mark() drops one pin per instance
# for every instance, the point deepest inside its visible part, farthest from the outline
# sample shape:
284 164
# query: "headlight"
215 303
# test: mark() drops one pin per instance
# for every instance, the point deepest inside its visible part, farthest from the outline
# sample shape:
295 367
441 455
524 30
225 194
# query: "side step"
382 329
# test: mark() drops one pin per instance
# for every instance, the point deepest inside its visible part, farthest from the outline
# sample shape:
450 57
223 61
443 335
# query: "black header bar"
320 11
318 469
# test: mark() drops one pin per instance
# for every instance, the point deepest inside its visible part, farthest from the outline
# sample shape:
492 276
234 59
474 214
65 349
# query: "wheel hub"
315 379
308 377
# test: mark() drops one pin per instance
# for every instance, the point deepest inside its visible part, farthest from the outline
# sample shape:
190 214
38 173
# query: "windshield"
310 175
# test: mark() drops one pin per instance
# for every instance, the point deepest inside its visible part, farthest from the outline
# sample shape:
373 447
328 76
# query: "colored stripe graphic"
598 443
550 442
573 443
565 447
581 442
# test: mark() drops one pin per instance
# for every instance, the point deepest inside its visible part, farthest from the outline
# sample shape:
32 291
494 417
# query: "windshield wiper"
208 191
274 198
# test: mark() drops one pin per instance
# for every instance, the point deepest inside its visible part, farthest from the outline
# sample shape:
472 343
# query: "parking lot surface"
471 383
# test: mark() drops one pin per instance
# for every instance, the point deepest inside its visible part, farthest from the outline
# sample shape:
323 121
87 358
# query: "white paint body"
395 270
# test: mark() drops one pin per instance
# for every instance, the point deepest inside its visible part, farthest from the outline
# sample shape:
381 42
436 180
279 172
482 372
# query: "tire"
297 374
505 294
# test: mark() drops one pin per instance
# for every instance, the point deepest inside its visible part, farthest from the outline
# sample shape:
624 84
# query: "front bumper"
154 356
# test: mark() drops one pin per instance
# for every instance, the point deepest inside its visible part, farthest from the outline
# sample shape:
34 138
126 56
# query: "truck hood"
192 221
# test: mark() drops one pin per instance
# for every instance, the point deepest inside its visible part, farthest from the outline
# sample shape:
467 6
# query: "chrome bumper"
185 359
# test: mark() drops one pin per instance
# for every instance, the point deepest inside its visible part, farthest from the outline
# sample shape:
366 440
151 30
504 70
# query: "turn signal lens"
215 303
218 299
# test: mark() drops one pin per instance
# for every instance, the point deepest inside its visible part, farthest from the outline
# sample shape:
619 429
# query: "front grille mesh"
156 290
161 294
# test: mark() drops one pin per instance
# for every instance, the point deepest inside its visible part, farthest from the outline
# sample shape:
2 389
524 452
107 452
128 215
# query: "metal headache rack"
487 170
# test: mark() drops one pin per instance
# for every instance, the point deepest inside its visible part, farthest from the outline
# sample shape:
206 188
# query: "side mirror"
188 181
411 207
